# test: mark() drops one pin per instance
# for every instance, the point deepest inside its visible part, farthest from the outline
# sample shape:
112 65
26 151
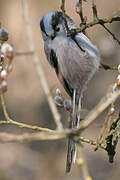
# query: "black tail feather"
71 147
70 154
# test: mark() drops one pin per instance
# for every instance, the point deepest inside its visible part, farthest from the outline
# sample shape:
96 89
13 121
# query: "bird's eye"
57 29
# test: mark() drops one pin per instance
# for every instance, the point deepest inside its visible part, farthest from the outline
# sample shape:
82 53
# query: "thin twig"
103 21
43 136
81 11
52 135
4 108
64 16
94 8
108 67
102 105
63 6
39 68
21 125
81 14
114 37
28 53
116 12
83 165
88 141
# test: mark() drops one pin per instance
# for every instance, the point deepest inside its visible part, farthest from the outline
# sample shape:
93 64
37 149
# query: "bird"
75 60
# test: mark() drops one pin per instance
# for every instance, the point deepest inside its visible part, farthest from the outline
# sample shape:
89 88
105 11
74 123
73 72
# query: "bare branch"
100 107
102 22
6 137
106 20
42 136
21 125
108 67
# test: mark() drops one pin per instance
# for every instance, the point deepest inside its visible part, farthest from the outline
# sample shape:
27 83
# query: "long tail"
71 152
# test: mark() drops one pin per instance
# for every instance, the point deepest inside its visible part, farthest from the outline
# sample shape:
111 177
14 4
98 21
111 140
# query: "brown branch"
23 125
63 6
79 10
101 22
48 134
105 20
41 136
7 137
102 105
94 8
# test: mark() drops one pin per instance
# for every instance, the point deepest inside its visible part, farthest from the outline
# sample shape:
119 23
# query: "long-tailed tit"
75 60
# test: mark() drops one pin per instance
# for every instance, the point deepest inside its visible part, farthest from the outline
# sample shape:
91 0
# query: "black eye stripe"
42 26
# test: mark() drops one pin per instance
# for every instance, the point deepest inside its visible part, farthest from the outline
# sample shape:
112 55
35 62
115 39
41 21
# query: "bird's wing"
86 44
76 66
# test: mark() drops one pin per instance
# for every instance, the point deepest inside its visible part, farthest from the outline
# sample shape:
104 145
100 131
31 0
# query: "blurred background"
26 101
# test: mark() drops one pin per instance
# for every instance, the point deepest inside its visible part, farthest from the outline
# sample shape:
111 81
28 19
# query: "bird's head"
52 24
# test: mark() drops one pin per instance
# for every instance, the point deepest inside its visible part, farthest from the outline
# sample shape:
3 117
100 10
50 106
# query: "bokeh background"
26 101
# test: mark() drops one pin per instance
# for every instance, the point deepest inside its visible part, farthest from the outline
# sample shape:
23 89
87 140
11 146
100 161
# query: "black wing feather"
55 65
